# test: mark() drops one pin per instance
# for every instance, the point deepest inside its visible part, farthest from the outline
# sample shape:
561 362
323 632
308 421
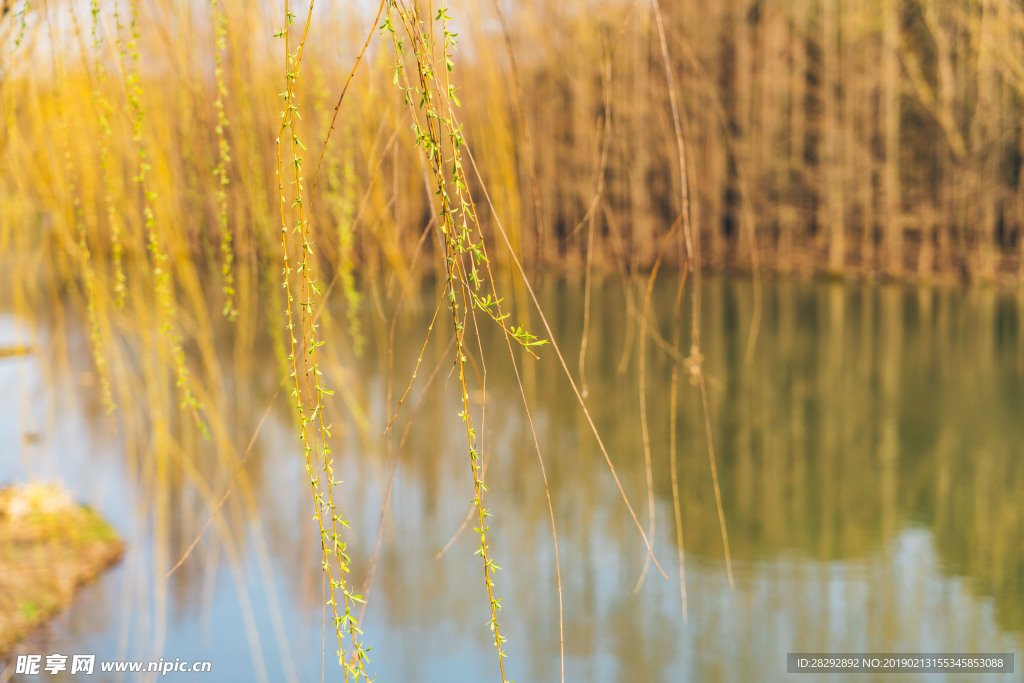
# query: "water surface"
870 459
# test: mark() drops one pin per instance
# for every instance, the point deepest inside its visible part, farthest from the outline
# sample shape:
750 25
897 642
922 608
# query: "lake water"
870 454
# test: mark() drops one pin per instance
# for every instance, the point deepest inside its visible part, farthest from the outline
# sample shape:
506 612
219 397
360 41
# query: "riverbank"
49 546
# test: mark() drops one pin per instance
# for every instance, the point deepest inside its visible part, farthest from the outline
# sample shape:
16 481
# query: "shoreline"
49 546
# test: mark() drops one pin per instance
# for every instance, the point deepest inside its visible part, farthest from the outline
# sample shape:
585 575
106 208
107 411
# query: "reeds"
841 137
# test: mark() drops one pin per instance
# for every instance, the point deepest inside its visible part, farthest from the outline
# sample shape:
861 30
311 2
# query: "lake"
870 454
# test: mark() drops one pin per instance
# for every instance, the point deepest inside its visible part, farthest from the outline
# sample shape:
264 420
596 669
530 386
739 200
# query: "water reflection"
869 456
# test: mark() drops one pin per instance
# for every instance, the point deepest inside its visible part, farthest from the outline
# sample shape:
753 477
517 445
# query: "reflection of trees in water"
864 409
851 423
867 408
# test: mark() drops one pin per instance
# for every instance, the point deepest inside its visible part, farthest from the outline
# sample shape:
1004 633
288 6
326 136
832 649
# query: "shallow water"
870 458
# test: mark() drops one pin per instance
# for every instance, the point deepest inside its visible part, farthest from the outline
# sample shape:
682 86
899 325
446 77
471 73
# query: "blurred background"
862 137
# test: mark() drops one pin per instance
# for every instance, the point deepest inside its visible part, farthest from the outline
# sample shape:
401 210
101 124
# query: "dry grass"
48 547
833 137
